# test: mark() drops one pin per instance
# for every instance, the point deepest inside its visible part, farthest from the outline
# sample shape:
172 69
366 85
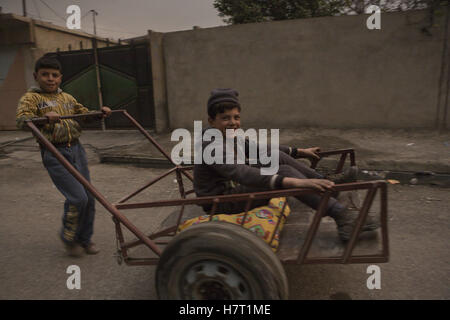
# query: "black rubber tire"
247 260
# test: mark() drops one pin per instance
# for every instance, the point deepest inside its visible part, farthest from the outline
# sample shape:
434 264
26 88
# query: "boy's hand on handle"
310 153
317 184
52 117
106 111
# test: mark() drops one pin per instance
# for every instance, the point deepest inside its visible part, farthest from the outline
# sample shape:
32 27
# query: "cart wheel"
219 261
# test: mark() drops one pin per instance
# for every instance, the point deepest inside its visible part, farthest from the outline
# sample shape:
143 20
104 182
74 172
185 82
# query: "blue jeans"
79 207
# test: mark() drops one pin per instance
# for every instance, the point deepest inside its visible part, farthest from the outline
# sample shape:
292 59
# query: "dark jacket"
216 179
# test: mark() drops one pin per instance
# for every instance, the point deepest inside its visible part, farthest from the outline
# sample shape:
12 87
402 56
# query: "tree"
245 11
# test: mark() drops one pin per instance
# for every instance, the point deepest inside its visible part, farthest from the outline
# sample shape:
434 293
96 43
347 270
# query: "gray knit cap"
223 95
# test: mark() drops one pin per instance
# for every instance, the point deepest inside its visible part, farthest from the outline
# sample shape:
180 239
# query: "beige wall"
11 89
330 72
49 40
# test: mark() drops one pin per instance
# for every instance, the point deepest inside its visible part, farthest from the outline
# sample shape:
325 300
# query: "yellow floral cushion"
261 220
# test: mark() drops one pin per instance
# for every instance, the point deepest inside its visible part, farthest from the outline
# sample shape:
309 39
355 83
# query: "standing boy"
48 100
218 179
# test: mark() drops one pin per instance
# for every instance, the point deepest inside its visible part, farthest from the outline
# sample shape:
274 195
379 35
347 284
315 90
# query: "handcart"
221 260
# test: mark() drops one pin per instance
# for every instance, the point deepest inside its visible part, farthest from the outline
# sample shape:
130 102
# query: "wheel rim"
214 280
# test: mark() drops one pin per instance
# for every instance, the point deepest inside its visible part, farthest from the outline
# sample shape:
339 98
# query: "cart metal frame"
155 245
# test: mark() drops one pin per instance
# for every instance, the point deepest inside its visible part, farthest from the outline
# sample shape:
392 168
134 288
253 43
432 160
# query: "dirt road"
33 262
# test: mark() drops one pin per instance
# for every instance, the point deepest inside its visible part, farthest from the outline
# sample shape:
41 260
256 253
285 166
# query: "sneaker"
74 250
91 248
345 222
349 175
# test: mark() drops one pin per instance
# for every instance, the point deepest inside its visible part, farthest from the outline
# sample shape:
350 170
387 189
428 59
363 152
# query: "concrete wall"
330 72
11 87
50 40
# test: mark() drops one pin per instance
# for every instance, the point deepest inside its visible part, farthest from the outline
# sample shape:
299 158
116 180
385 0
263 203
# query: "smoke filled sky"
123 18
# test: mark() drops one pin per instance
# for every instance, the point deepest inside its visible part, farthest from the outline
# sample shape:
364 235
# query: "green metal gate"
125 78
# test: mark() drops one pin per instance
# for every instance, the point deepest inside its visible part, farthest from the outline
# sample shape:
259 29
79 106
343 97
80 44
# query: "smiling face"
48 79
229 119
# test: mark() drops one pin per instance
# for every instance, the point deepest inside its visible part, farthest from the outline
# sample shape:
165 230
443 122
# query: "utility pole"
94 13
97 68
24 8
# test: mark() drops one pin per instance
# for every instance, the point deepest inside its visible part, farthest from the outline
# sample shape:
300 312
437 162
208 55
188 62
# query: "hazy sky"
124 18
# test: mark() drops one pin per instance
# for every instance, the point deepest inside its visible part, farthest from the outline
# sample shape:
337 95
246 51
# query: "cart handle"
96 114
342 152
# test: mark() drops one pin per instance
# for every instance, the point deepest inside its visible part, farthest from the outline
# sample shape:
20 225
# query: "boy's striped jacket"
36 103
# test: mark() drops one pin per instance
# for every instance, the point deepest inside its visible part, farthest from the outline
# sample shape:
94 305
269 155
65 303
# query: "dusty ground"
33 263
